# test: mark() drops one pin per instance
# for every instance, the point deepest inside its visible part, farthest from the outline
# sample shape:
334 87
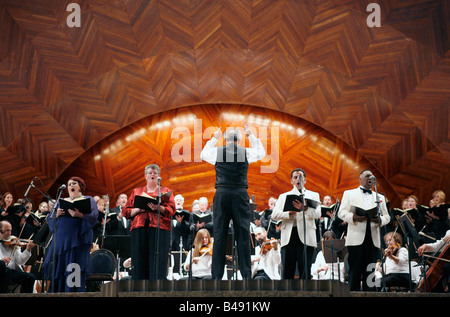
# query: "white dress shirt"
403 263
255 153
296 220
269 262
438 245
330 273
202 268
18 257
356 231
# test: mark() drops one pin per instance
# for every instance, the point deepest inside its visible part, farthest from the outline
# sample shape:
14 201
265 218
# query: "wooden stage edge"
229 289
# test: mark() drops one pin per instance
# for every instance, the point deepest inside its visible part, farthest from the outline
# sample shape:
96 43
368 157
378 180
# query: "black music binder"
369 213
288 204
142 201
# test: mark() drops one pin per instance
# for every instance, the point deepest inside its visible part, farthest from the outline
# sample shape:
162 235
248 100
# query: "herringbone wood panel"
375 97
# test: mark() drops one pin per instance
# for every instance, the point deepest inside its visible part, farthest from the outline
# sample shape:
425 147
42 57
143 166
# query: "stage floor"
229 289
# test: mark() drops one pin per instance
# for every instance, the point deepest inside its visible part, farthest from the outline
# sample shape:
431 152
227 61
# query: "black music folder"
16 209
182 212
441 211
142 201
288 206
369 213
202 218
82 204
326 209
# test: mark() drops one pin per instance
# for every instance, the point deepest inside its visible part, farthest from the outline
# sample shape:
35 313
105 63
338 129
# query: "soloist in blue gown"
73 237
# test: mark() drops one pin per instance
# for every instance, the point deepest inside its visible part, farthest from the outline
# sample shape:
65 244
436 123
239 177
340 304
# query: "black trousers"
293 256
9 276
143 253
359 258
231 204
396 279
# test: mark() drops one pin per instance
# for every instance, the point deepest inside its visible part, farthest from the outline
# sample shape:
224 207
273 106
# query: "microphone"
63 186
159 180
29 187
372 177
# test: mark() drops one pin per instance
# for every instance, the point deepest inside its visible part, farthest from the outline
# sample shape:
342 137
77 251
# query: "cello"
434 273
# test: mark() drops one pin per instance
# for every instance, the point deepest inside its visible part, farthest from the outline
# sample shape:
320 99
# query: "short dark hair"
298 170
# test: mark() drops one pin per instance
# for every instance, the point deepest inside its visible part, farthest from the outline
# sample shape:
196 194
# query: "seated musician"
396 266
266 262
321 270
11 261
439 246
201 256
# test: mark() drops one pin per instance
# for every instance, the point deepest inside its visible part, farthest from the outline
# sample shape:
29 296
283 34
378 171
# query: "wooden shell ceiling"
100 101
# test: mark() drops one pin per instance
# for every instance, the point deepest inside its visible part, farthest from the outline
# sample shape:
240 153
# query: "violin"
207 249
394 248
15 242
267 246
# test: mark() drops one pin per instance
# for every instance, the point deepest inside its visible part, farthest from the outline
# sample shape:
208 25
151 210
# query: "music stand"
332 251
408 228
410 232
120 245
43 236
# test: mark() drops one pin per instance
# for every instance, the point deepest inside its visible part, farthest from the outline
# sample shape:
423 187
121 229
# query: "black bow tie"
366 191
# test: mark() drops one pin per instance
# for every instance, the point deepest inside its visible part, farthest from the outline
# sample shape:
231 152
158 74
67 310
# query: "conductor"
231 200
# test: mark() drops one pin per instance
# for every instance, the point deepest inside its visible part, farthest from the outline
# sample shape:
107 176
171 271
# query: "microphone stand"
46 195
305 264
191 252
54 238
104 219
383 286
157 231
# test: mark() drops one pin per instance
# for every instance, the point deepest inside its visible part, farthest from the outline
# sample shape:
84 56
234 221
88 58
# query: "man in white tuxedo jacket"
292 232
363 235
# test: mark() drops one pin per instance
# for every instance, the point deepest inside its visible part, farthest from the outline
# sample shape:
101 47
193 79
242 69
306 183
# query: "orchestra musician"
201 256
12 258
72 239
396 266
437 247
148 227
292 228
231 200
267 259
363 234
321 270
